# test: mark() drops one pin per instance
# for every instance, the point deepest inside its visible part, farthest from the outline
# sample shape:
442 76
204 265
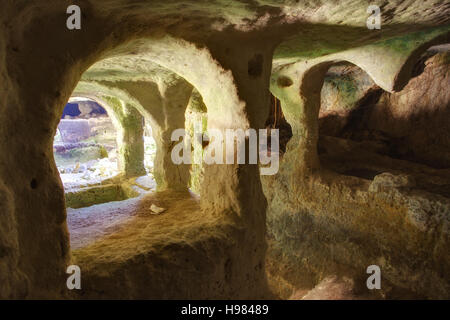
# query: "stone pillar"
175 96
130 135
299 94
234 191
34 240
196 119
131 148
164 103
239 185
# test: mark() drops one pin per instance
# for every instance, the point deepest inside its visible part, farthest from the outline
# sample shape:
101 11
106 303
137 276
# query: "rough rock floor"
91 223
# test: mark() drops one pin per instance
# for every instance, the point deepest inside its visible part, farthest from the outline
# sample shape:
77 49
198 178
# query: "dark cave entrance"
401 133
276 120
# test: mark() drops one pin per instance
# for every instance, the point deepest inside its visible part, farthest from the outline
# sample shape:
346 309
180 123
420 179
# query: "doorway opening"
85 147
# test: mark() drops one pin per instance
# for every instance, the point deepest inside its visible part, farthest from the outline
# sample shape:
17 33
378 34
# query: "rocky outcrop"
411 124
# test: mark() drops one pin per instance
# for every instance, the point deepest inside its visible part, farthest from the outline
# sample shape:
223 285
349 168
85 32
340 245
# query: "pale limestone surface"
216 246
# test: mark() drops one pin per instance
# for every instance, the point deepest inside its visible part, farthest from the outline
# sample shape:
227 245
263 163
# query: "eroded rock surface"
336 205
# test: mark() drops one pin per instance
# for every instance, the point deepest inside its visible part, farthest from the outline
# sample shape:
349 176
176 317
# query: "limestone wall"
148 57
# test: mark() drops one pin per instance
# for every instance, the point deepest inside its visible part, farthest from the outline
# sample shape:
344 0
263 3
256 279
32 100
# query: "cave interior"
87 175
